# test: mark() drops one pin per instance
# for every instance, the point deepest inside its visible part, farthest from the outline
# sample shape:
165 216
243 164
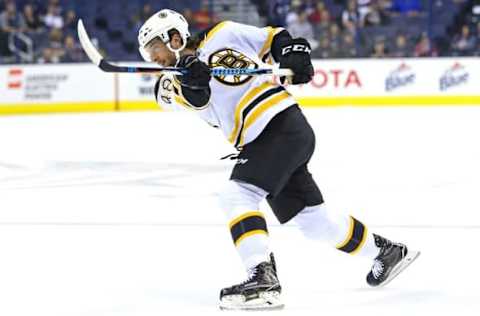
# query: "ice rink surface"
116 214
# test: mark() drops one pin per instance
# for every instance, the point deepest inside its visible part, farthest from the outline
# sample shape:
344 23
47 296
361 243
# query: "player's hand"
198 75
296 56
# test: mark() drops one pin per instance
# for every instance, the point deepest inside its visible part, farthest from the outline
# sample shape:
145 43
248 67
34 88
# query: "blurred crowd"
381 28
41 31
36 31
45 32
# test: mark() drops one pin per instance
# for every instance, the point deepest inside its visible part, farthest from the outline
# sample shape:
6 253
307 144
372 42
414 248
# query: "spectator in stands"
73 53
315 17
363 7
476 7
351 16
55 4
385 6
32 19
323 50
53 18
477 38
203 18
335 37
310 5
54 42
55 38
262 7
278 12
139 18
379 49
48 57
424 47
295 10
5 53
400 48
323 28
188 15
70 24
302 28
348 48
464 43
376 15
407 7
10 20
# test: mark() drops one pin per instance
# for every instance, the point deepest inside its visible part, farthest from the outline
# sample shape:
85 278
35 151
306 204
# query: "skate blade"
402 265
265 301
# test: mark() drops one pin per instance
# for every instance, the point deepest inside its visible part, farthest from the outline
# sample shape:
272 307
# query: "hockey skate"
261 291
392 259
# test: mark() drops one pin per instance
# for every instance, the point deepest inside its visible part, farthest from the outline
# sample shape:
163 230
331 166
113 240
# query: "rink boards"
361 82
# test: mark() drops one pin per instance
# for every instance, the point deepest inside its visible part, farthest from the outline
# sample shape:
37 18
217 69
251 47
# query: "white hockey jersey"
241 106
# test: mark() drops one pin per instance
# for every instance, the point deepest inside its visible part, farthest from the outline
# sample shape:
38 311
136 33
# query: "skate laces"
252 273
377 268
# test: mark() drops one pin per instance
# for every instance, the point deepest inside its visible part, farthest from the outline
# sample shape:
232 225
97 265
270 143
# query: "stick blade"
87 44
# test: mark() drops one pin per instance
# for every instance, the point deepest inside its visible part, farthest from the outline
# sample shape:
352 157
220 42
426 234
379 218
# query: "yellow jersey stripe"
241 105
211 33
268 43
243 216
260 109
250 233
349 235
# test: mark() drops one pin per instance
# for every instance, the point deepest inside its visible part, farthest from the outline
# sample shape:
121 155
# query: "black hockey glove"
198 75
295 54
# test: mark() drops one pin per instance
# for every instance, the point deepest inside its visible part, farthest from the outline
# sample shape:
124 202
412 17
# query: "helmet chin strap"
177 51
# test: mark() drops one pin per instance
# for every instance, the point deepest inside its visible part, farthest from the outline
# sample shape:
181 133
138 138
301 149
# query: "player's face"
160 54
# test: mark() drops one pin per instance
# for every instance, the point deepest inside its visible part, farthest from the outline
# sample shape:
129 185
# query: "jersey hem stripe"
255 92
246 110
258 110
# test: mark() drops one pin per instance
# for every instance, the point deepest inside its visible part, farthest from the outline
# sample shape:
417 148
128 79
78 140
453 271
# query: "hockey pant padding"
240 203
342 231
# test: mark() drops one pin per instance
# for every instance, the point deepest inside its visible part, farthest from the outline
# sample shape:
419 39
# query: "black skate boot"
261 291
392 259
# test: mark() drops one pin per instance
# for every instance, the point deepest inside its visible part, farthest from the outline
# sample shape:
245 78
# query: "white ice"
116 214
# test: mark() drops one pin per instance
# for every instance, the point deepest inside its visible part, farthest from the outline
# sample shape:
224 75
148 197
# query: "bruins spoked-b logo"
231 59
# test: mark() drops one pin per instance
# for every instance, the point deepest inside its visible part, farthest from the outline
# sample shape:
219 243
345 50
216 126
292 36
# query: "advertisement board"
135 92
438 81
341 82
55 88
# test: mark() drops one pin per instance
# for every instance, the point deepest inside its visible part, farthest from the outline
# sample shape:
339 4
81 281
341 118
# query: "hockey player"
275 142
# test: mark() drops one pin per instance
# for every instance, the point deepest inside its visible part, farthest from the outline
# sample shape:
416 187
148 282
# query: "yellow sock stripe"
362 242
243 216
241 105
250 233
349 235
260 109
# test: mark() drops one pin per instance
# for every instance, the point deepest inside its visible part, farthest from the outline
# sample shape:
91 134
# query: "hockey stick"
106 66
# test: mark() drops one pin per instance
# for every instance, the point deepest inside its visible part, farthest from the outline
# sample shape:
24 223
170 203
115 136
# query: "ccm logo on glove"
296 48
